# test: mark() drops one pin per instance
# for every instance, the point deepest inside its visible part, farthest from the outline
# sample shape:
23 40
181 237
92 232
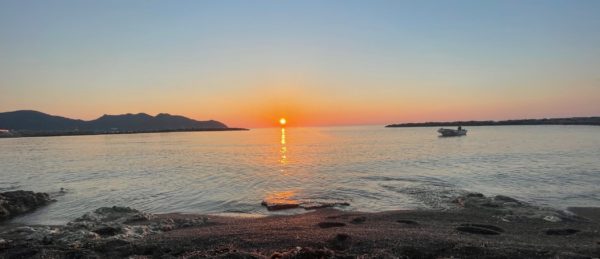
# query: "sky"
316 63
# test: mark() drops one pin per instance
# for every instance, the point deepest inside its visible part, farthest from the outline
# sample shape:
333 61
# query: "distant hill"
554 121
41 122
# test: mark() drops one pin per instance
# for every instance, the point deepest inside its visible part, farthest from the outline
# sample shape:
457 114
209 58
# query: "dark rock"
280 206
18 202
105 231
331 224
76 254
113 214
3 244
407 222
341 241
490 205
20 252
359 220
474 194
510 209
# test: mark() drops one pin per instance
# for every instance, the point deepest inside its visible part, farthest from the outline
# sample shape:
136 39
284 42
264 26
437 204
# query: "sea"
371 168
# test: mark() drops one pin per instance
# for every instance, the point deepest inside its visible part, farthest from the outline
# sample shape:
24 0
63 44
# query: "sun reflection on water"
281 197
283 151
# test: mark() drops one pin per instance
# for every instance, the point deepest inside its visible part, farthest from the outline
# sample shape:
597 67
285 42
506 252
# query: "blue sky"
324 62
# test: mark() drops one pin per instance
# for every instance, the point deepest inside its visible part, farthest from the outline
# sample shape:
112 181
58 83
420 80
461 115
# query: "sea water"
370 167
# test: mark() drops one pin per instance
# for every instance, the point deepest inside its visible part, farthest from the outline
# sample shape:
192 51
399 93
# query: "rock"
359 220
18 202
25 229
341 241
509 209
307 205
326 224
102 226
106 231
113 214
474 194
407 222
280 206
24 252
3 244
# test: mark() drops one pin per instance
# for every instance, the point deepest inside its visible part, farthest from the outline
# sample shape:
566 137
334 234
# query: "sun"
282 121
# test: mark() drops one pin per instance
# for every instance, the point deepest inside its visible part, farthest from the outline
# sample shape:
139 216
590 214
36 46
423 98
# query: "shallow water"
373 168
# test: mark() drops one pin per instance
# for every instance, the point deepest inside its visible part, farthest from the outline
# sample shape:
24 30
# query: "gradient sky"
247 63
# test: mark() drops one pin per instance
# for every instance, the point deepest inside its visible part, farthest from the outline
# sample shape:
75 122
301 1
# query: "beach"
479 227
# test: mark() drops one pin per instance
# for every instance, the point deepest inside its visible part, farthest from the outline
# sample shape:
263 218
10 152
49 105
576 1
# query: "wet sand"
331 233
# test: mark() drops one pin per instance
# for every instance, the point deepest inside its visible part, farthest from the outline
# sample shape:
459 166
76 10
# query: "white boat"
452 132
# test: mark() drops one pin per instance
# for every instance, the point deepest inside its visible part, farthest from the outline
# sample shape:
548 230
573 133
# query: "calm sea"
373 168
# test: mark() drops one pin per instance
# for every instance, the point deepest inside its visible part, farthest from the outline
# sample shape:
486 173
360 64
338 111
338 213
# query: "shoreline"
584 121
331 233
480 227
63 134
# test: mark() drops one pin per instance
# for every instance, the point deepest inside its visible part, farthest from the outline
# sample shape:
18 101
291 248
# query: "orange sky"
316 63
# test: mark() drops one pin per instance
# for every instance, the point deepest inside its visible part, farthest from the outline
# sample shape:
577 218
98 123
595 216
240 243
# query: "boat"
452 132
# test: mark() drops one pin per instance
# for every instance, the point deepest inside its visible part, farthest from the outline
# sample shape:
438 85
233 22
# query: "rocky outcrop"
103 225
274 205
509 209
18 202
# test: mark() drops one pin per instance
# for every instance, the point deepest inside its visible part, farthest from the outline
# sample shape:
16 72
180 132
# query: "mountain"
38 121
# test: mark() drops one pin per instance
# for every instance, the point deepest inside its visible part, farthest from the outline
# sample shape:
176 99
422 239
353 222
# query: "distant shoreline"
590 121
30 134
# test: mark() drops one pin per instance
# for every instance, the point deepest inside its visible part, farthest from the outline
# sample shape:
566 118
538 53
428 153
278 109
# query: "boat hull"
452 132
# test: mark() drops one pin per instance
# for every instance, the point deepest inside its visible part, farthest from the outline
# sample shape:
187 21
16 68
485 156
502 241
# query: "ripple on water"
372 168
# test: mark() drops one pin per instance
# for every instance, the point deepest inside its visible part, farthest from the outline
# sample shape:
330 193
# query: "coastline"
76 133
585 121
482 227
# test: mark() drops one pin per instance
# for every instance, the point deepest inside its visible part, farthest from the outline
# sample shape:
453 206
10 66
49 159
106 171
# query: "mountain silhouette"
27 120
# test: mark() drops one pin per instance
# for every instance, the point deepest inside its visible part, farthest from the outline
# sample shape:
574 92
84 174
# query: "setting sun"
282 121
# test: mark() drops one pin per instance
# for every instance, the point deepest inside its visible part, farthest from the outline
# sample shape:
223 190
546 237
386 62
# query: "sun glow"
282 121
